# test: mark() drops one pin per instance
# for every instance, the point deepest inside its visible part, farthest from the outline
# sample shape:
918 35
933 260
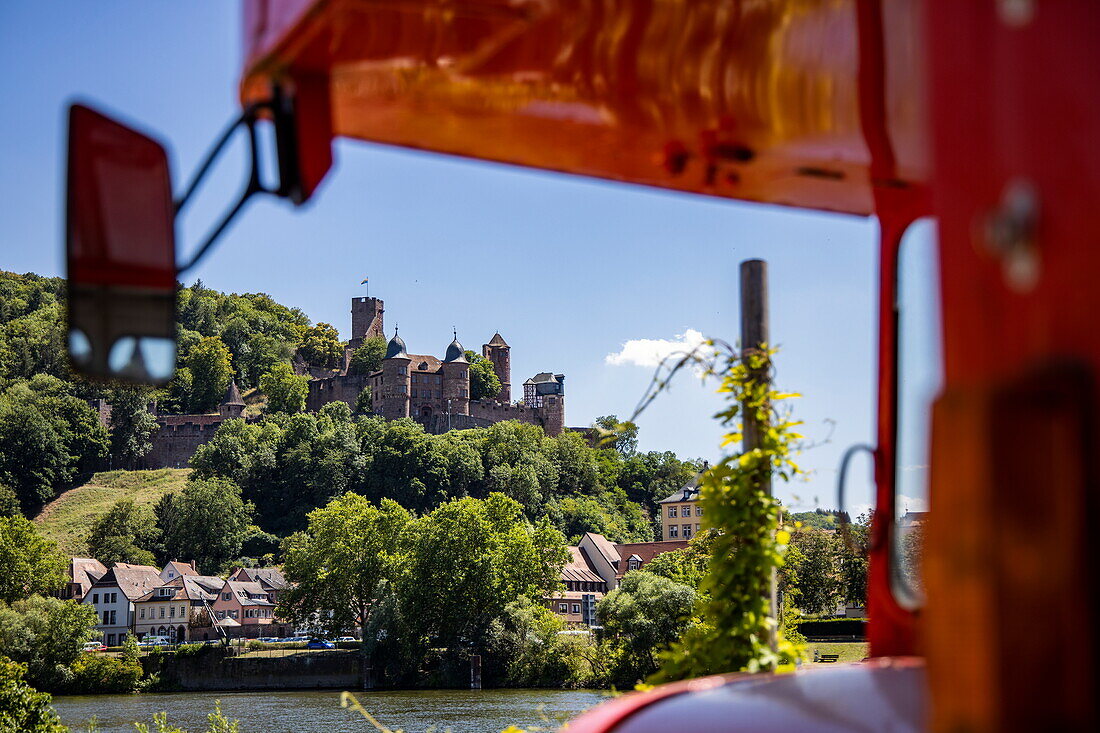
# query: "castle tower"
456 380
232 405
500 353
366 320
395 379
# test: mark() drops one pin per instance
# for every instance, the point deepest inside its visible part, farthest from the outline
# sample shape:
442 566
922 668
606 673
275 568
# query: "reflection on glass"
144 359
80 348
920 377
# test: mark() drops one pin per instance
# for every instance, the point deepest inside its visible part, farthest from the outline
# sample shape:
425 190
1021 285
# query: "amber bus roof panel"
759 101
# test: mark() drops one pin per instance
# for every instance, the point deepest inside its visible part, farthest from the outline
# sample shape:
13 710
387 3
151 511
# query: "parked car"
347 638
151 640
320 644
94 646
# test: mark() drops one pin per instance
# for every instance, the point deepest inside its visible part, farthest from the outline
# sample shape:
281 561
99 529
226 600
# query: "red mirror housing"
121 252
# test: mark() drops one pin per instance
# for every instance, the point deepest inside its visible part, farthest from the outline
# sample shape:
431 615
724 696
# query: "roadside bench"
826 658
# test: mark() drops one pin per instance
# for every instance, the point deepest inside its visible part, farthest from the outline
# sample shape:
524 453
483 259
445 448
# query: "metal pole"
754 335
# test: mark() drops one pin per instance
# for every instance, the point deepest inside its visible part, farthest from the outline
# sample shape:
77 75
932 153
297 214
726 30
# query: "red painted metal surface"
758 101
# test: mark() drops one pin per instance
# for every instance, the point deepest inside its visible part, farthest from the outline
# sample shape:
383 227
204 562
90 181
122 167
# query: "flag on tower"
364 281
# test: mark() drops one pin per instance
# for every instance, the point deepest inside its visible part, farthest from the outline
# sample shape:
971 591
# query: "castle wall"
550 417
346 389
178 438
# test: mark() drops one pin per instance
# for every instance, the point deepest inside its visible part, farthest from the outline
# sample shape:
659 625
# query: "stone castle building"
436 391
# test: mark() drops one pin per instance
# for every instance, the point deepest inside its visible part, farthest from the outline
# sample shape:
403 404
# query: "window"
110 639
673 530
183 611
172 612
402 389
698 510
95 598
113 621
563 608
142 613
464 393
696 528
162 611
439 380
166 591
106 616
415 378
576 608
402 370
672 511
227 596
633 564
114 598
687 531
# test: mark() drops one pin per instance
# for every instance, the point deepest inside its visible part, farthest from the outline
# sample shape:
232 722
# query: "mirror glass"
120 252
920 378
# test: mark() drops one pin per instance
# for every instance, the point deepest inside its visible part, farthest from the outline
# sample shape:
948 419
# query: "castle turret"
395 379
366 320
232 405
456 380
499 352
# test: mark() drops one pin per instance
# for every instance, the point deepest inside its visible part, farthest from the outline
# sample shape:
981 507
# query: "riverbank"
461 711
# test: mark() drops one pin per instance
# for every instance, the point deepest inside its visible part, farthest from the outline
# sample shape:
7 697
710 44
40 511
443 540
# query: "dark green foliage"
47 635
834 627
364 403
102 674
132 425
321 346
646 613
818 569
48 439
285 390
368 357
209 365
854 544
207 521
484 382
687 566
29 563
22 708
9 502
620 436
32 326
124 534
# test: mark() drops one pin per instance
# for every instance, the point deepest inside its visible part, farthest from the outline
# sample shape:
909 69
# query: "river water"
460 711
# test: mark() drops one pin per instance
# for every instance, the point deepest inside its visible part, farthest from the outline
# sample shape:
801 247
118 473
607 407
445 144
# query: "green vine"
733 622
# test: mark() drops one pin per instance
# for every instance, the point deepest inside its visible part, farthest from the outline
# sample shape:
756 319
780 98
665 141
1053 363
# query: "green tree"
321 345
207 521
22 708
364 404
470 558
211 369
285 390
46 634
9 502
687 566
819 586
29 563
619 436
124 534
484 382
132 425
342 563
48 438
646 613
854 544
368 357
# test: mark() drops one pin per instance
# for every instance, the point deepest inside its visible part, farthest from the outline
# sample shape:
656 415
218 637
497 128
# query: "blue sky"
568 270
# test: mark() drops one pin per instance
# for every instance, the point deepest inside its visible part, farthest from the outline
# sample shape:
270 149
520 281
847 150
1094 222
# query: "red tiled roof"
645 551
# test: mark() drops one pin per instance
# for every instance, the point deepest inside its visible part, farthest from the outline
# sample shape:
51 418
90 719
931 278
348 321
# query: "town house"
178 609
245 608
113 597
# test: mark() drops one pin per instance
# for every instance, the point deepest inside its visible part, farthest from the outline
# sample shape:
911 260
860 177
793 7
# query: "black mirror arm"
253 186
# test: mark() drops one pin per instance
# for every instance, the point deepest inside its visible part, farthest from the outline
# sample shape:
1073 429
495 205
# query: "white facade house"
113 597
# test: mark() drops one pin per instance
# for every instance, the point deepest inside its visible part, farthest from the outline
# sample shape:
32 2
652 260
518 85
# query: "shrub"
22 708
99 673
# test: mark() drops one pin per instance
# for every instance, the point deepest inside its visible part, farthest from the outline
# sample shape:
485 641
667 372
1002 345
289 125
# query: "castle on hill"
435 391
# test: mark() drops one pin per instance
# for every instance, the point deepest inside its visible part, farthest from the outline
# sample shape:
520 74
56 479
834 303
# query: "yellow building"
681 514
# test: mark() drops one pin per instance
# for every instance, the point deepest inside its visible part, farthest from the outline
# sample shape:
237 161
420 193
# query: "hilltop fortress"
433 391
436 391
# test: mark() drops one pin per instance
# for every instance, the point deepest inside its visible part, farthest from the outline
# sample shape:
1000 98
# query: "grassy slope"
68 519
848 651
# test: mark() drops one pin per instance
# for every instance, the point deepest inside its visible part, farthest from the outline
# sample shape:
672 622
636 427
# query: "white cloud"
651 352
911 504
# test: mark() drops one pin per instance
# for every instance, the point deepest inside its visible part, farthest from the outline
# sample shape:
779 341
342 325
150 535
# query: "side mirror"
121 252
